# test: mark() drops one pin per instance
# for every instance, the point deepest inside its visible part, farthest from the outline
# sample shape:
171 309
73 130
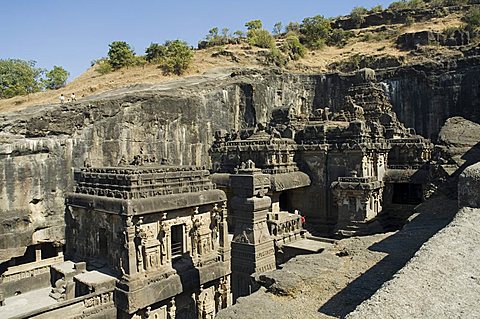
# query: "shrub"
410 4
409 20
120 54
260 38
177 58
377 8
358 15
239 34
254 25
277 28
155 52
293 48
103 66
19 77
293 27
339 37
55 78
140 61
472 18
315 31
276 57
450 31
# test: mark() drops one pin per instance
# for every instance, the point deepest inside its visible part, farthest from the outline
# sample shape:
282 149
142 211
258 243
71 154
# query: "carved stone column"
252 247
224 243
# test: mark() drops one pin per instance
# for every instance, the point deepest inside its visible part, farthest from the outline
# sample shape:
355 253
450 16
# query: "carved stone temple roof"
143 189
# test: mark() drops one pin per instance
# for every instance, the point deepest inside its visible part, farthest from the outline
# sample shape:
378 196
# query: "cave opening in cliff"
407 193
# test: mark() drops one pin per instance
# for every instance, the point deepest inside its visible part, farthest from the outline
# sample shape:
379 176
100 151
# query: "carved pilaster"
252 246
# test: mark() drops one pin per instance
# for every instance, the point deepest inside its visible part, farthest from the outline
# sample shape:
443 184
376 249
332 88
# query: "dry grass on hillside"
92 82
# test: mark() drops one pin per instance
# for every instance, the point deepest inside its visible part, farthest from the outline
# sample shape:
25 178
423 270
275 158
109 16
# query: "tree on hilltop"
19 77
120 55
55 78
254 25
173 56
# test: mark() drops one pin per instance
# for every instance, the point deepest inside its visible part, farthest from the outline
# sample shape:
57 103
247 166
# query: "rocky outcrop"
177 120
458 141
174 121
469 186
394 17
425 95
410 41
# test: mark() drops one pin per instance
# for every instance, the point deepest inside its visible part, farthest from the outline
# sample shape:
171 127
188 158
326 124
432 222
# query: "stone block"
469 187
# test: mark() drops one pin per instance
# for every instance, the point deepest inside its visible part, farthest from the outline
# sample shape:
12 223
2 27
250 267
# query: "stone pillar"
129 261
38 252
252 246
224 243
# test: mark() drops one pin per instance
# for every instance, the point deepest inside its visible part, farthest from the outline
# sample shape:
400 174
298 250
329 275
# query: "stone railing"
356 179
95 305
286 229
405 167
29 270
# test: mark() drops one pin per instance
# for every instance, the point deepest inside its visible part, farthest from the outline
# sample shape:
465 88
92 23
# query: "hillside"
377 42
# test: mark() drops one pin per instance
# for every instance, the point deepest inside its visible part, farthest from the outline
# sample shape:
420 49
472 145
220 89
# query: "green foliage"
377 8
373 36
254 25
55 78
339 37
155 52
260 38
358 15
277 28
18 77
293 27
103 66
120 55
212 34
450 31
239 34
446 3
275 57
226 32
315 31
409 20
293 48
140 61
472 18
407 4
174 57
214 38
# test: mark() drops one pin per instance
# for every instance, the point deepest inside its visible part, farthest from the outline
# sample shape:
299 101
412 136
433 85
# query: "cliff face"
175 121
424 96
40 146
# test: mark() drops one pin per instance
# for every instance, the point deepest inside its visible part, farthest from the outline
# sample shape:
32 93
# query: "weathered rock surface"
443 279
458 140
468 187
176 120
425 95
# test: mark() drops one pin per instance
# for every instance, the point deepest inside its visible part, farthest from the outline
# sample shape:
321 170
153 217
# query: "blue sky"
73 33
